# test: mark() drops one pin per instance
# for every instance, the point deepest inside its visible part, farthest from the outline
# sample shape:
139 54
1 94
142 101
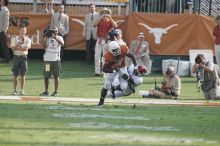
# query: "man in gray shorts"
20 45
52 63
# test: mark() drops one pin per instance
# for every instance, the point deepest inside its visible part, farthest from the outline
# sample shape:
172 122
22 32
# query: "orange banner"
167 34
170 34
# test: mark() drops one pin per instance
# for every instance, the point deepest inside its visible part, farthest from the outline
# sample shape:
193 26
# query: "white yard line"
121 100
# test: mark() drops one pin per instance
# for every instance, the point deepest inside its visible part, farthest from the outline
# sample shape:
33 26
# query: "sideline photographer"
208 76
52 62
170 88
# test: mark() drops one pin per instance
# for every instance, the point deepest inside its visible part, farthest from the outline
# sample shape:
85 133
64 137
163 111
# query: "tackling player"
114 64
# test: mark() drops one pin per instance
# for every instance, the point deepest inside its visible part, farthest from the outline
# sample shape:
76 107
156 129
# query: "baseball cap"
140 34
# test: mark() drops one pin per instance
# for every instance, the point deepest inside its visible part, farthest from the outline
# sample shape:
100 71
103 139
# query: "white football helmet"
114 48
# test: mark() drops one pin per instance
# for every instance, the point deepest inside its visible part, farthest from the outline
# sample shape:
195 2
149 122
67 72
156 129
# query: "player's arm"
108 69
131 55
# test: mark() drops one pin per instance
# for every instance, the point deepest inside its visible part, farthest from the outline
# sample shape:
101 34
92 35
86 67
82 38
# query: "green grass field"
28 123
77 81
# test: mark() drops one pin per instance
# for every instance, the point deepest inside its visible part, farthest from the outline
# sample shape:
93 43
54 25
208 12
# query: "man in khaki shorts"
52 62
20 45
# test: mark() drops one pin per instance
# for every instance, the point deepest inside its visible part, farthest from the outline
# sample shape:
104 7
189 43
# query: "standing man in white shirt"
52 62
20 45
4 23
61 21
90 33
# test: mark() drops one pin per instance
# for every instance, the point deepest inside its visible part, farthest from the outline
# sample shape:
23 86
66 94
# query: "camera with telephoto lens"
168 72
198 59
113 34
49 32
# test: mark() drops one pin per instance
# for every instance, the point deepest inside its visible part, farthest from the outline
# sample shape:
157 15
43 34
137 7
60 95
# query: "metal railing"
80 7
161 6
205 7
72 7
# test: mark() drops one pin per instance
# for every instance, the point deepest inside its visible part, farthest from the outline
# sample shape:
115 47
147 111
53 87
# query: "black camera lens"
198 59
113 34
168 72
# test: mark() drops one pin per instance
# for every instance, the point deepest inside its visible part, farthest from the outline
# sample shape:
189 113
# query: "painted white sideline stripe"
108 125
105 116
83 108
10 98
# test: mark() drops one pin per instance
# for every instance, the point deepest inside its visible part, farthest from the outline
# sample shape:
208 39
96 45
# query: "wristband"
114 71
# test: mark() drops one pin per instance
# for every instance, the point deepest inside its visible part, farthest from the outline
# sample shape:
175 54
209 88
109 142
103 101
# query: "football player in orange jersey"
114 64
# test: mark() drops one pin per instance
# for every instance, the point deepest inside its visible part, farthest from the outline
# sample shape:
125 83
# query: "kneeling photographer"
52 62
170 88
208 76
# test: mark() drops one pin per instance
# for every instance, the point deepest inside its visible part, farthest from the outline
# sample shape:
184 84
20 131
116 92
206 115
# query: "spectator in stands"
140 48
90 33
170 6
20 45
208 76
61 21
48 6
105 24
170 88
216 33
4 23
52 64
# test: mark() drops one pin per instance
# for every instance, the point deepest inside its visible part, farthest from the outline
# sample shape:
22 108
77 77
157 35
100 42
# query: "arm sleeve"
61 39
177 87
28 43
84 27
13 42
6 21
67 25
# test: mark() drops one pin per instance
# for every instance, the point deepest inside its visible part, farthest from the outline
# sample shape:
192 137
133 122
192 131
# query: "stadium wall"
167 34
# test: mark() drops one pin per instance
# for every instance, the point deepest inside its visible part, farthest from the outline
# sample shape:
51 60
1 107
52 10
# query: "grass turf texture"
35 124
77 81
54 124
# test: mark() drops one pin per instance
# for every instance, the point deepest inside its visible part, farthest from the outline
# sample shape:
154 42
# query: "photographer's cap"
171 68
118 31
140 34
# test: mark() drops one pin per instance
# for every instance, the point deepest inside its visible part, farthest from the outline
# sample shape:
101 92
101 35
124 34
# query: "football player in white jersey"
134 81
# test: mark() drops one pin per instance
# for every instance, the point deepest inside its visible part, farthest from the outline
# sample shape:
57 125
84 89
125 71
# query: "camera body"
168 72
49 32
113 34
198 59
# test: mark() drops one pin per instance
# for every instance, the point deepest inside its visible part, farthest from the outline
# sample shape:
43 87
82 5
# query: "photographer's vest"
210 80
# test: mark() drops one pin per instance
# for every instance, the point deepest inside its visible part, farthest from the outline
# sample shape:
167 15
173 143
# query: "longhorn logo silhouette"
158 32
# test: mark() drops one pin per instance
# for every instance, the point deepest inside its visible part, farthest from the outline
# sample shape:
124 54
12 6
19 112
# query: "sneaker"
14 92
22 92
100 104
54 93
45 93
